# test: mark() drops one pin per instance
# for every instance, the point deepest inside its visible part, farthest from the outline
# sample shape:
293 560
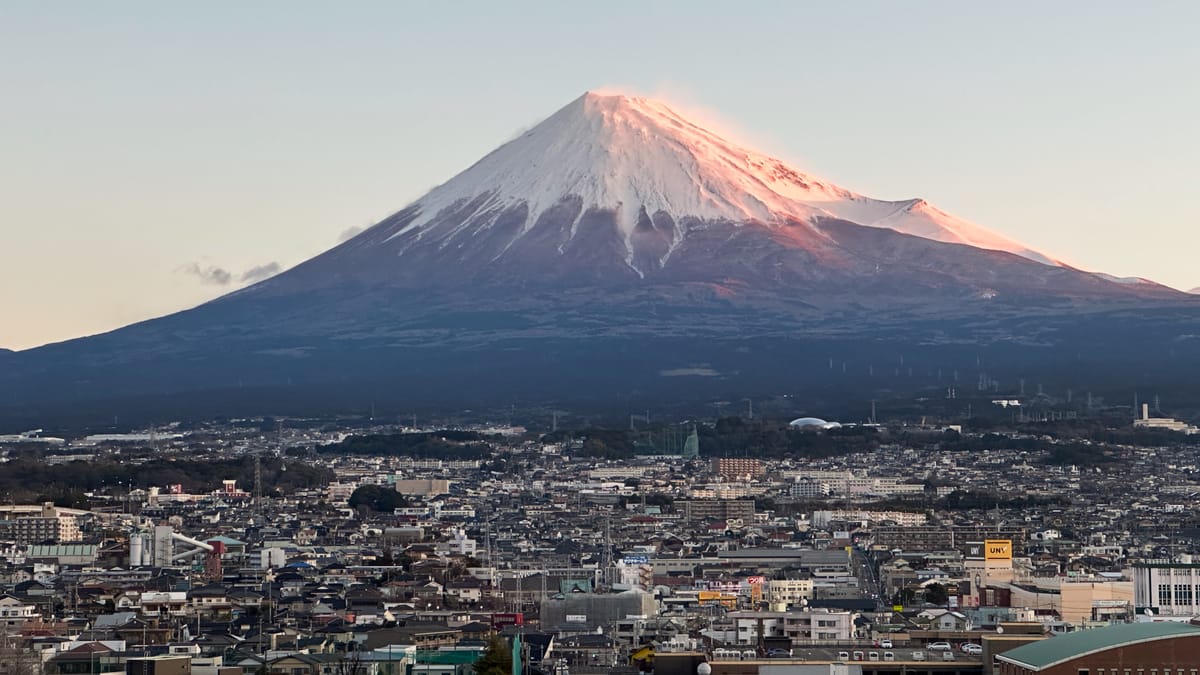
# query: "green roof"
226 540
448 656
1062 648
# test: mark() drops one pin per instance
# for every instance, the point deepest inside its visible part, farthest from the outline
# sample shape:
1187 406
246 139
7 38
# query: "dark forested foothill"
26 479
449 444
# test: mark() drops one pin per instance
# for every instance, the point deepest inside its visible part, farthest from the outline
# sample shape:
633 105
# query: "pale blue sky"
143 142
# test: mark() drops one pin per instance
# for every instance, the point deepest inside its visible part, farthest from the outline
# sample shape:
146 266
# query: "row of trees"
729 437
26 480
446 444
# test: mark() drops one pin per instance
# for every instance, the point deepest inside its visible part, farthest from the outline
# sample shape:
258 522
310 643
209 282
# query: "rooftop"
1063 648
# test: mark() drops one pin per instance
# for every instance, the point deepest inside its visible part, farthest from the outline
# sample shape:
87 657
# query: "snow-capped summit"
634 155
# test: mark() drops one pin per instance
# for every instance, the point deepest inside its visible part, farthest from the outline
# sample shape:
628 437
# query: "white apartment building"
802 628
14 614
1167 588
788 591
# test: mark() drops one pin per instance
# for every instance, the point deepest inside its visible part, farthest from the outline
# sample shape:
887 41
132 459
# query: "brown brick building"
734 468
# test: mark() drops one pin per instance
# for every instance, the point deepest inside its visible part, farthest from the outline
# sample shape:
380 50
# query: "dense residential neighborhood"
392 550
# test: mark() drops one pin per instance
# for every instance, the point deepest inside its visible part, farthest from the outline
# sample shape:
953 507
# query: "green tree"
496 660
936 594
378 498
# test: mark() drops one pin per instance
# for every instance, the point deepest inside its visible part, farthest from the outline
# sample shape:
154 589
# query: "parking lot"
900 654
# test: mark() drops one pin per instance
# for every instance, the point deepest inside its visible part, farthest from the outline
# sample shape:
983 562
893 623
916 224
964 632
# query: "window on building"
1183 594
1164 594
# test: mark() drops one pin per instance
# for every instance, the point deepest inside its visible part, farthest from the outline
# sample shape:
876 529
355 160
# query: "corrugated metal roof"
61 550
1062 648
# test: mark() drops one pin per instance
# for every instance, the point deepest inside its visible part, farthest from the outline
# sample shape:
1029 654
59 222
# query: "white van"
918 655
889 656
843 656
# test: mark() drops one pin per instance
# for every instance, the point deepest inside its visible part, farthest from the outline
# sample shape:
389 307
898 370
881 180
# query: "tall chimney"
1145 411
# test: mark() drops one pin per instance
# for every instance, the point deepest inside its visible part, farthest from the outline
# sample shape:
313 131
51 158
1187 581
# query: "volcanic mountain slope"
621 191
615 226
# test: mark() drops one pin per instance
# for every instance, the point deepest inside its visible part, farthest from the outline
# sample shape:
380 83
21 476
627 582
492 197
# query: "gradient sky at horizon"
157 155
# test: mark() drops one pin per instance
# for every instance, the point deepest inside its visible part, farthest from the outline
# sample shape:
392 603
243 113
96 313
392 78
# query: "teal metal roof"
1059 649
449 656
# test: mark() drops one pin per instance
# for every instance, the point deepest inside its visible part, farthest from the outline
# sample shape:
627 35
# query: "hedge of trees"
24 480
446 444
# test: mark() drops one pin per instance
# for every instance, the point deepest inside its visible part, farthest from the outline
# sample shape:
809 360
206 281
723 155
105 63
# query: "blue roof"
1056 650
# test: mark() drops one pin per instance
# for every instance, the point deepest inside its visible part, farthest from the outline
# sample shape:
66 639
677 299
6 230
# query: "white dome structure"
813 423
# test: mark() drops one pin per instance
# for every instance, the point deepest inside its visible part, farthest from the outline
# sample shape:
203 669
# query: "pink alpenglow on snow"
630 154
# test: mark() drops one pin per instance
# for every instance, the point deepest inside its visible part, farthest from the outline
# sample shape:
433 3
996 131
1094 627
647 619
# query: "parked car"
885 643
843 656
940 646
972 648
778 653
872 656
889 656
947 656
918 655
858 656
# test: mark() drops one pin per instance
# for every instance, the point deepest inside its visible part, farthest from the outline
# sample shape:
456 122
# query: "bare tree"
17 657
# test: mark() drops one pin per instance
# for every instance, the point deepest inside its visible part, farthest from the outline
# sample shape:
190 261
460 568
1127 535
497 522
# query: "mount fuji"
618 249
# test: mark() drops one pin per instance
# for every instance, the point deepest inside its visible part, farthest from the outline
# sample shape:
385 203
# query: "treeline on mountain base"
449 444
378 498
25 480
729 437
967 500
